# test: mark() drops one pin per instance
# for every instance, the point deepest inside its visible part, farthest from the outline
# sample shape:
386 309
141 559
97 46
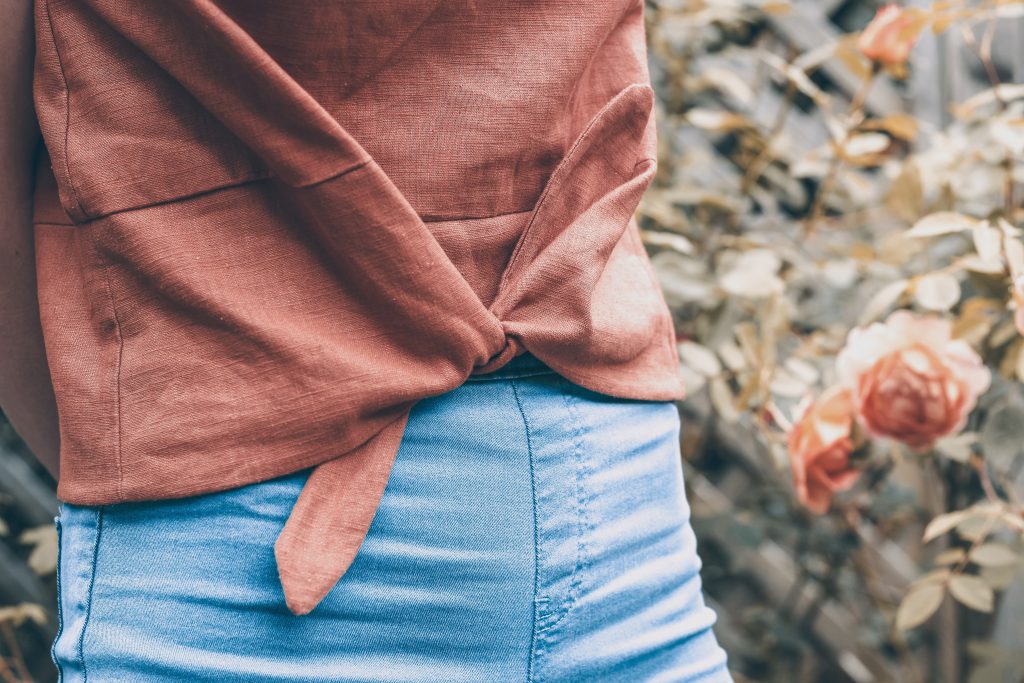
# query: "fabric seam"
558 171
60 604
88 600
171 200
117 377
252 180
576 580
526 373
536 534
67 113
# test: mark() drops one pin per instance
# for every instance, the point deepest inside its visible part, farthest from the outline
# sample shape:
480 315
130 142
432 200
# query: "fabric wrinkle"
253 269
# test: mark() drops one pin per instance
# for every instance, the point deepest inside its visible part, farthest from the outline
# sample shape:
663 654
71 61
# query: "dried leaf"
918 605
700 358
972 592
668 239
865 144
718 120
1002 434
943 524
1005 91
902 126
1013 248
1000 578
987 241
732 356
1012 519
951 556
16 615
778 7
785 383
1016 355
43 558
803 370
751 283
722 398
882 301
993 555
849 54
730 83
975 527
942 223
957 447
1009 132
906 194
937 291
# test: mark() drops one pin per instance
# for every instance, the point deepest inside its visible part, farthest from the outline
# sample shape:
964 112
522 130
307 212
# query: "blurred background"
835 225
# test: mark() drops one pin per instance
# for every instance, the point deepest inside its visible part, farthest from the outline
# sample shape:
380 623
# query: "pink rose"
911 381
820 444
887 39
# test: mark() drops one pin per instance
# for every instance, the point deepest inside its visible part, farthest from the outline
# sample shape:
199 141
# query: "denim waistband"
523 365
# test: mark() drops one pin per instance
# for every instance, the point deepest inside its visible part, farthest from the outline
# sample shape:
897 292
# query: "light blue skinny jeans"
531 530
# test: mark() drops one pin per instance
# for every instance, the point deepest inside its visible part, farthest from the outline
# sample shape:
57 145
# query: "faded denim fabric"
531 530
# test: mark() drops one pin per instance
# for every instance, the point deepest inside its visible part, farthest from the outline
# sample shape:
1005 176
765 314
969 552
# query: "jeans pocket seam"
60 601
89 593
583 521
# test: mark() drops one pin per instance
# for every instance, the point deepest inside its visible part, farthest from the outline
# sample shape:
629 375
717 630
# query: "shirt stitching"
67 114
117 378
256 179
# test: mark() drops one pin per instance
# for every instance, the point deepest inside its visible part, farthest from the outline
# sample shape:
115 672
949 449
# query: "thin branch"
855 117
16 655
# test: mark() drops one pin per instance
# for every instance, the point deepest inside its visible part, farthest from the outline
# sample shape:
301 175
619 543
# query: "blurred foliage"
847 276
855 477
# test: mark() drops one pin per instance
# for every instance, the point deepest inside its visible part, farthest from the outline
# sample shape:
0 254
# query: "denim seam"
89 592
577 573
586 470
60 604
536 534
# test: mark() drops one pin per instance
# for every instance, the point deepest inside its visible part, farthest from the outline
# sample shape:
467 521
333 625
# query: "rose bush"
842 250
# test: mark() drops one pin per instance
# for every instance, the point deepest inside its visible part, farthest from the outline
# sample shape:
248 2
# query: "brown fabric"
266 229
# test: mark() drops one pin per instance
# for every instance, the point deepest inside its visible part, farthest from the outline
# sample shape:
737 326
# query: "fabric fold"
330 519
372 314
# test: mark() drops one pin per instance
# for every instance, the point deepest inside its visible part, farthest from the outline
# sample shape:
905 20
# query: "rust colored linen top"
265 229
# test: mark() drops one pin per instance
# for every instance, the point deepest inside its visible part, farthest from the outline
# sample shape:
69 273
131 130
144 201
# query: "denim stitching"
536 539
577 573
60 605
88 599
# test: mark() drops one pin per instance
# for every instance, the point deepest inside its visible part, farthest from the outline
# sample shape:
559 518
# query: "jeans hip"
531 529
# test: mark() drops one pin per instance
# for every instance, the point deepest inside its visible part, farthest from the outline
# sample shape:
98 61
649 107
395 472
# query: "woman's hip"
531 529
